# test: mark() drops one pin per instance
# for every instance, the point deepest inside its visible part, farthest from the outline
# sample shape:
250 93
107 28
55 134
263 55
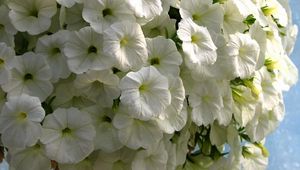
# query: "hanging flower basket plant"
142 84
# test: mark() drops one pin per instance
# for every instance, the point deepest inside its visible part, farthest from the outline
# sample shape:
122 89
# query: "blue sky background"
284 143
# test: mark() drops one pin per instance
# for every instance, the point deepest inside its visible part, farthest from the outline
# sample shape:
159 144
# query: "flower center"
22 115
28 76
196 17
106 119
66 131
34 13
55 51
1 61
107 11
154 61
92 49
195 39
123 42
143 87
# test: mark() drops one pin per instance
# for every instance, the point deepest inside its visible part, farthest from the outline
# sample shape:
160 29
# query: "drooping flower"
33 16
125 42
30 75
145 93
84 51
68 135
20 121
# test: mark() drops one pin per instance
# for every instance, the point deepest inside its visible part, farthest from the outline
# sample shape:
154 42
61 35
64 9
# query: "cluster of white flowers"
142 84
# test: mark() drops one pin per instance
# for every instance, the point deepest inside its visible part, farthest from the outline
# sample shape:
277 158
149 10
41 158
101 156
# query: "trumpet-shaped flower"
175 115
135 133
197 43
51 47
160 25
125 42
120 159
31 158
84 51
68 135
33 16
31 75
20 121
68 3
152 159
147 9
145 93
203 13
7 55
206 102
163 55
243 52
102 13
106 134
99 86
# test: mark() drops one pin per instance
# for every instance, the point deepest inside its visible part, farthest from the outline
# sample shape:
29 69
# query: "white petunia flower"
7 55
135 133
125 42
264 122
163 55
147 9
244 104
118 160
160 25
197 43
145 93
86 164
233 18
217 134
175 115
206 102
7 30
68 135
203 13
71 18
31 158
31 75
244 53
253 158
260 36
106 134
99 86
67 95
84 51
102 13
33 16
274 11
269 92
51 47
20 121
152 159
68 3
